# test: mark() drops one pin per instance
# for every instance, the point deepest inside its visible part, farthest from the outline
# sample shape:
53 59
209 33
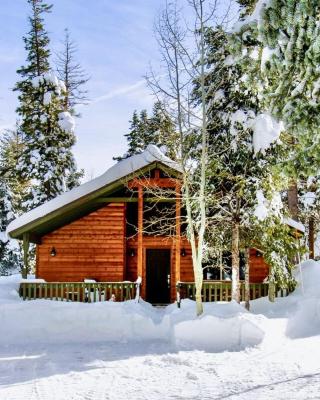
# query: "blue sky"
115 45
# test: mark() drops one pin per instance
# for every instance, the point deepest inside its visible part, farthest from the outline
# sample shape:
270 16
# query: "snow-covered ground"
51 350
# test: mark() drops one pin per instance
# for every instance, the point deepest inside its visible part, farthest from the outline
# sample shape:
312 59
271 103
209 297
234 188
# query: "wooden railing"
78 291
221 291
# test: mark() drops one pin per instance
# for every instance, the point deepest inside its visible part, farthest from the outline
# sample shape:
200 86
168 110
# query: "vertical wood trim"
25 255
140 232
124 269
178 233
37 260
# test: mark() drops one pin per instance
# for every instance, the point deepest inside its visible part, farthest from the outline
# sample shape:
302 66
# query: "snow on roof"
295 224
116 172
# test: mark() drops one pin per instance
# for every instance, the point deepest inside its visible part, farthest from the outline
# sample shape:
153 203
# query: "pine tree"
285 38
11 149
47 129
11 191
162 130
157 129
134 138
73 76
241 167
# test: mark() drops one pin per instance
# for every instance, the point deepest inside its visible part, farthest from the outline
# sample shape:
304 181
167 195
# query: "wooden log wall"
93 247
259 269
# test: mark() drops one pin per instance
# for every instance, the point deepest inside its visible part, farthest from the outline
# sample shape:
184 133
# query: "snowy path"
289 370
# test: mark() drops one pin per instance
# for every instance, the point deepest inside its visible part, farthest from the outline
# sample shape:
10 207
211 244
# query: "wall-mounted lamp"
132 253
53 252
183 252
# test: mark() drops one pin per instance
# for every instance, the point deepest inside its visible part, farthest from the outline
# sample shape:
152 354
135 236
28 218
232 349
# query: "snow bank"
301 308
223 327
308 278
305 320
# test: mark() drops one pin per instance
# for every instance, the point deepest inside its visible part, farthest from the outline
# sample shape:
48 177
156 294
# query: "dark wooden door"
158 276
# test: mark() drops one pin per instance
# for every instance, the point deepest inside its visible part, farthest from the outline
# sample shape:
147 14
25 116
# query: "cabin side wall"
92 247
259 269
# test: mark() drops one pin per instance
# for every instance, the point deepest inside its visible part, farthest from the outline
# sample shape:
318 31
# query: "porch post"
178 235
26 243
140 233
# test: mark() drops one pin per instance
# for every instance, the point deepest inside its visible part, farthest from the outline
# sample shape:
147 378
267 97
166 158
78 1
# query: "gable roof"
73 203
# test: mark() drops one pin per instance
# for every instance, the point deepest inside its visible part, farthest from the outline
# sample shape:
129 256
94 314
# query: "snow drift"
222 327
305 321
301 308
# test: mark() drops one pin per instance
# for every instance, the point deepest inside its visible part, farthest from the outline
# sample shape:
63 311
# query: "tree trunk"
272 291
247 280
311 237
235 262
198 283
293 200
197 252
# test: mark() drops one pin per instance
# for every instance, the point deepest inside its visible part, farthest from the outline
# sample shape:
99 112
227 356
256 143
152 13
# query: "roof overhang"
51 215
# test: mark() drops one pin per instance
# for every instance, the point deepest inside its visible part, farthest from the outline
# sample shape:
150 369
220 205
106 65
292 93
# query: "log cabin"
110 231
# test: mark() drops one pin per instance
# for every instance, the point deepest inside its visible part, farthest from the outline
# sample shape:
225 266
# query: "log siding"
91 247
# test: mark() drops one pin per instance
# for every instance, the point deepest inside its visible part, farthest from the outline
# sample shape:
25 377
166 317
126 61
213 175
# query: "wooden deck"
221 291
79 291
212 291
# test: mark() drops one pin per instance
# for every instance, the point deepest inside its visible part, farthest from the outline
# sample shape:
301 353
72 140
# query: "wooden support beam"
117 200
152 182
140 233
26 243
178 232
134 200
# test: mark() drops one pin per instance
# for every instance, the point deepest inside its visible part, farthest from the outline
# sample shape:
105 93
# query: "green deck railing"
78 291
221 291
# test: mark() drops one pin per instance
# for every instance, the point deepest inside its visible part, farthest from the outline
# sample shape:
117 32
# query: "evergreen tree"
11 149
134 139
285 38
11 191
73 76
162 130
47 129
242 165
157 129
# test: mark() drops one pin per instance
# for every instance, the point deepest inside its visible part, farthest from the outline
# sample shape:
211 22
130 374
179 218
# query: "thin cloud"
120 91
